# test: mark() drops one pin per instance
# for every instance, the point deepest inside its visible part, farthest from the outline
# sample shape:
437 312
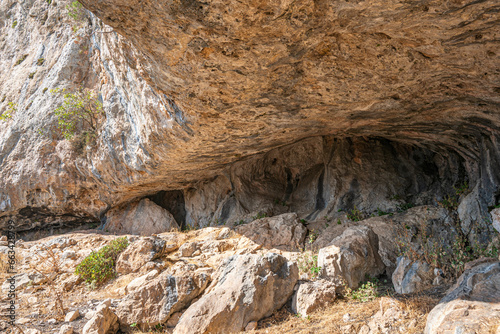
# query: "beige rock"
174 320
103 321
251 326
472 305
143 217
160 298
282 232
311 296
411 276
351 256
139 253
246 288
66 329
141 281
71 316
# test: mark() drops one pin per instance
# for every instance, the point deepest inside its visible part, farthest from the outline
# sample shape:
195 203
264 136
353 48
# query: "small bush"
20 60
14 24
32 74
355 215
99 267
368 291
40 61
308 264
11 108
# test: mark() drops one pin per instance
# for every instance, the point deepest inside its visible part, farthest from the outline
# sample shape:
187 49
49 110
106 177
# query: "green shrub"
355 215
20 60
40 61
308 264
368 291
11 108
99 267
80 108
32 74
14 24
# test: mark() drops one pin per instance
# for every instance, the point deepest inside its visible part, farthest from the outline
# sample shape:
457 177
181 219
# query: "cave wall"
319 176
382 98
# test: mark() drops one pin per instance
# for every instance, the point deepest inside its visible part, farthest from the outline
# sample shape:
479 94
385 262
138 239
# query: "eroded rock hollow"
221 110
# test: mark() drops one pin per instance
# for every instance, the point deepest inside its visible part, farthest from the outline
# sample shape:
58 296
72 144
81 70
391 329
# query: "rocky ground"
273 275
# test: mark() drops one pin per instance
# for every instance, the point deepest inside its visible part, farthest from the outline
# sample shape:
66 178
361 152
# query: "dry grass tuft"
330 320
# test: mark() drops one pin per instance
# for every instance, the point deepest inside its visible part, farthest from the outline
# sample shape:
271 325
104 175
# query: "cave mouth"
320 176
173 202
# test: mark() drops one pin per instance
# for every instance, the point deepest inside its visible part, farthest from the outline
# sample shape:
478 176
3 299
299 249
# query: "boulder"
71 316
156 301
103 321
246 288
139 253
283 232
472 305
411 276
495 216
66 329
312 295
143 217
351 257
141 281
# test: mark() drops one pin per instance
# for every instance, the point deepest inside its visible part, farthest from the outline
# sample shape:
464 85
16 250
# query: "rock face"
311 296
282 232
411 276
472 305
156 301
351 256
104 321
379 98
143 217
246 288
139 253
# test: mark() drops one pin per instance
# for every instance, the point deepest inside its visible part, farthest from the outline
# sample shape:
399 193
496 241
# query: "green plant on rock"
11 109
355 215
99 267
81 110
40 61
312 236
368 291
21 59
76 11
308 264
14 24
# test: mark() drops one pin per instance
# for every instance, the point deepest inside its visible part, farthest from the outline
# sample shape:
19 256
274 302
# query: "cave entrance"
172 201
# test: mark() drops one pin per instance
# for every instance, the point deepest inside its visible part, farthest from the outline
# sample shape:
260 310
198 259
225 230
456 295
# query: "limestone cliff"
355 102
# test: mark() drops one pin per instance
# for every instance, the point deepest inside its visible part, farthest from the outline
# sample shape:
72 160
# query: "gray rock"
160 298
143 217
282 232
472 305
246 288
351 256
411 276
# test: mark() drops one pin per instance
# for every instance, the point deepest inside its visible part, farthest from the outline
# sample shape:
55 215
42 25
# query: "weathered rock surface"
281 232
313 295
103 321
156 301
351 256
411 276
246 288
143 217
472 305
382 95
139 253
